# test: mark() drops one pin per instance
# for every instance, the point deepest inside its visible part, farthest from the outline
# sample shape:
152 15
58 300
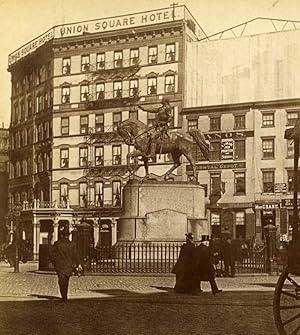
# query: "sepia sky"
23 20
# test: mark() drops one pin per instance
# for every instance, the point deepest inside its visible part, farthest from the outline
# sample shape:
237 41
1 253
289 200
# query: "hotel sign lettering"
100 25
30 47
120 22
230 134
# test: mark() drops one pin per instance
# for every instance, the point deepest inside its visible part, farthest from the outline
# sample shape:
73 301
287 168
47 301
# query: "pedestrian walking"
204 267
184 267
65 259
229 257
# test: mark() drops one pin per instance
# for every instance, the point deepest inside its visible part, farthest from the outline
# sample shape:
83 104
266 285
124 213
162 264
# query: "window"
215 123
215 151
197 153
100 89
239 183
40 132
64 158
22 105
170 84
83 195
64 127
117 89
151 119
83 157
99 123
64 193
46 100
268 181
239 149
133 114
99 156
134 56
192 124
268 119
116 193
170 52
117 118
29 107
84 124
240 224
99 194
290 148
268 148
84 92
118 59
215 221
65 95
292 117
116 155
133 87
100 61
66 65
215 184
290 175
152 55
152 86
30 80
85 63
239 121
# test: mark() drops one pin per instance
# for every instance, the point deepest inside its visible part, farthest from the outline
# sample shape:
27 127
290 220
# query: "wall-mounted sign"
280 188
289 203
227 149
229 134
266 205
217 166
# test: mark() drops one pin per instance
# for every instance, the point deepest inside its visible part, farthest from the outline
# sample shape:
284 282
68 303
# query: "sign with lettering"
120 22
264 205
289 202
229 134
280 187
217 166
30 47
227 149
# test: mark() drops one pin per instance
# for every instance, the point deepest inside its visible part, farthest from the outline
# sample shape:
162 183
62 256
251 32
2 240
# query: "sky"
23 20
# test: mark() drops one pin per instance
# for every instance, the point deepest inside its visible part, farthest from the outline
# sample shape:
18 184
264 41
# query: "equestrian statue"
149 141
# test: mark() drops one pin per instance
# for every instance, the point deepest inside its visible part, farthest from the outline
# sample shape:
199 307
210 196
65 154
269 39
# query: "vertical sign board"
227 149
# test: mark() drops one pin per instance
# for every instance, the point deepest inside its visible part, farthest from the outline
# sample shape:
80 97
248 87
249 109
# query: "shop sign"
280 188
227 149
217 166
289 202
266 206
229 135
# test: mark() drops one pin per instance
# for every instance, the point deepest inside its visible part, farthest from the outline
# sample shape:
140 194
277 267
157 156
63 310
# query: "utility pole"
173 5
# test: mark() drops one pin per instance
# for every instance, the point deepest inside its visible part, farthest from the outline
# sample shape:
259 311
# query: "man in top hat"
65 259
205 270
163 117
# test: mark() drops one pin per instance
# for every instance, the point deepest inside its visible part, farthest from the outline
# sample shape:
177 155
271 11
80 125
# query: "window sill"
239 194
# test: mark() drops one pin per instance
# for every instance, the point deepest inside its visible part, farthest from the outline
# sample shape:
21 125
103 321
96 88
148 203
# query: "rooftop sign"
109 24
120 22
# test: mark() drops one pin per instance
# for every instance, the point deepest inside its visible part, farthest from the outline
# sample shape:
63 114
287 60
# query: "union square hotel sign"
107 24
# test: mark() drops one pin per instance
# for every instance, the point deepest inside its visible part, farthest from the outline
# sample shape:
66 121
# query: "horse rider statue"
162 118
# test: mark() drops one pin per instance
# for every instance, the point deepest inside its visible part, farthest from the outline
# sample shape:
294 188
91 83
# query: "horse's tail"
201 141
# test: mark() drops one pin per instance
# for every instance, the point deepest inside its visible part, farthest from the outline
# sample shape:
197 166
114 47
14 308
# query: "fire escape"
97 137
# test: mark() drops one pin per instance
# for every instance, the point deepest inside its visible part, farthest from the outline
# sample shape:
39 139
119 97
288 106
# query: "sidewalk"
30 283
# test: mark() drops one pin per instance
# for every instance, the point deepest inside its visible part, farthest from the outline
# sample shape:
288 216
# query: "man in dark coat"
204 268
184 268
65 258
229 257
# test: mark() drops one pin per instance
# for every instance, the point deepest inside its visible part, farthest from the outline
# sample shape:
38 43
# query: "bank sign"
103 25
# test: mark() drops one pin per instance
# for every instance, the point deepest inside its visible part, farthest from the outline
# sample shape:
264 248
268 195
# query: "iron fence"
158 258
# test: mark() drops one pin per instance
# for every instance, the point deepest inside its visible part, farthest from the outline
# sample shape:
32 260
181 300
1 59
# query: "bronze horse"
136 133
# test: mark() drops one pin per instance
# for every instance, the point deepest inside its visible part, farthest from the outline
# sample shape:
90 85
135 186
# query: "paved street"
132 305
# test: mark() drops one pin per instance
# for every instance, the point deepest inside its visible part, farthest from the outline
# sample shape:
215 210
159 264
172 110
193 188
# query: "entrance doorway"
267 217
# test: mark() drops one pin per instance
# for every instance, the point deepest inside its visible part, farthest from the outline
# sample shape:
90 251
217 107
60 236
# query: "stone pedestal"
159 211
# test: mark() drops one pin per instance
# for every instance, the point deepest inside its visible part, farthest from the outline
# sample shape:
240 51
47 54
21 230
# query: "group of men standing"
198 263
